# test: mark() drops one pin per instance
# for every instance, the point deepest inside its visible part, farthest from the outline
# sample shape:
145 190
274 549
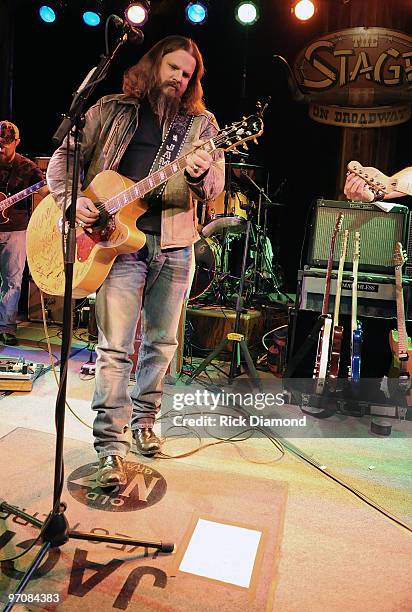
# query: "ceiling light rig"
137 13
92 14
196 12
304 10
50 10
247 13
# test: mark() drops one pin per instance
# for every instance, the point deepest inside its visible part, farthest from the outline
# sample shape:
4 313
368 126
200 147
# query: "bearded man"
160 114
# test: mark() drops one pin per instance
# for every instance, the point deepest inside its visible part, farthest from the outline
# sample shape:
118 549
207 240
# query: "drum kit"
218 253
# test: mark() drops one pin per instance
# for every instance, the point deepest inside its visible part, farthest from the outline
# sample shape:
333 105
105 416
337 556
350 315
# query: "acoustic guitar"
356 326
399 341
121 205
338 329
324 342
6 202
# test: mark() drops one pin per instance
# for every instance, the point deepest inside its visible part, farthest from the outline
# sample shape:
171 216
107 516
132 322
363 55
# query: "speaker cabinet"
379 231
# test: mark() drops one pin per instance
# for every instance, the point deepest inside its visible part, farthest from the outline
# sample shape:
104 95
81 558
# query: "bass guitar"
120 202
356 326
378 182
399 341
6 202
338 329
323 352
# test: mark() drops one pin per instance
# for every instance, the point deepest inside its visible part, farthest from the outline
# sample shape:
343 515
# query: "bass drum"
207 262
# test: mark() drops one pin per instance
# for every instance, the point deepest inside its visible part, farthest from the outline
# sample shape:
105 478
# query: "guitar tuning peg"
255 140
243 118
244 145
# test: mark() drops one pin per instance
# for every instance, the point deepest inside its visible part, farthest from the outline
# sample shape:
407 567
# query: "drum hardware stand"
239 345
261 235
54 531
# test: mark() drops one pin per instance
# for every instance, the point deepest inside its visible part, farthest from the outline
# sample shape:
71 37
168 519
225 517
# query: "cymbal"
241 165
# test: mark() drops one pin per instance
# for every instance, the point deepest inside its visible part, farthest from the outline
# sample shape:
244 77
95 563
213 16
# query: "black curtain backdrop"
50 61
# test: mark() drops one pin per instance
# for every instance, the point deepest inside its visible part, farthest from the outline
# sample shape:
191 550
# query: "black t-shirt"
138 159
14 177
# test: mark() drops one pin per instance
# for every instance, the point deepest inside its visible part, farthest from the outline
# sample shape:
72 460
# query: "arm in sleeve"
211 183
60 168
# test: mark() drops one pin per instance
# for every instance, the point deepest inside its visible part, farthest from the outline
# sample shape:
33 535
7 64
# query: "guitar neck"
339 279
354 317
140 189
400 311
21 195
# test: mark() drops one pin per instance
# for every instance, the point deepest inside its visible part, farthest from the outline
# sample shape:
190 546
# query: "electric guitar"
338 329
6 202
356 326
380 183
323 351
120 203
399 341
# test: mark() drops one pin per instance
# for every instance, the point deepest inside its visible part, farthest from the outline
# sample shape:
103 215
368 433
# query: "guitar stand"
54 531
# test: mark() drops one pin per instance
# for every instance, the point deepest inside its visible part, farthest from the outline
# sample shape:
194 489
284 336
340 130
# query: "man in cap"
16 174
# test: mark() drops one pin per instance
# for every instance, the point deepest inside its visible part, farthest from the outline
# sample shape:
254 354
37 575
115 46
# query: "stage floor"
321 546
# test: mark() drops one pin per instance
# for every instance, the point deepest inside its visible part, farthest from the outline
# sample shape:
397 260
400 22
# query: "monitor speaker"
379 231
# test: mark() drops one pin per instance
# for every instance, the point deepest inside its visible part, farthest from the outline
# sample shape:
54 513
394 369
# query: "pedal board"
18 374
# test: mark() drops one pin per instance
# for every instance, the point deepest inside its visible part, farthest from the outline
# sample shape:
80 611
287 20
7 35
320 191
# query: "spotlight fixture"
137 13
92 14
196 12
304 10
247 13
50 10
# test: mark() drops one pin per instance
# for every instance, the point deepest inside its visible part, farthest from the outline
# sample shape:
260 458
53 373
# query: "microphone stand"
55 530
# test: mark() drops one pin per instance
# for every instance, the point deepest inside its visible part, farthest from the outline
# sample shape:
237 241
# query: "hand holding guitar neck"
378 184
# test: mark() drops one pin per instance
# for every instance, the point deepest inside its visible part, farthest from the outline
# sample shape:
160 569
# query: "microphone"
134 35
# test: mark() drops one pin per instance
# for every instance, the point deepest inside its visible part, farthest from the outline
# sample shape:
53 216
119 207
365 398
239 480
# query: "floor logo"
144 488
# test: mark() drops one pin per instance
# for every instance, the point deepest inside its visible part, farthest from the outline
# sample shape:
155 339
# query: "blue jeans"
154 282
12 261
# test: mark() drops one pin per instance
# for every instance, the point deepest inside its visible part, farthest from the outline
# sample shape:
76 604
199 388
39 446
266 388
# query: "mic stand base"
56 533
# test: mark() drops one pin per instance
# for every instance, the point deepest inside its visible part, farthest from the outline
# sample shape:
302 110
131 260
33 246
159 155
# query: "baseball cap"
8 131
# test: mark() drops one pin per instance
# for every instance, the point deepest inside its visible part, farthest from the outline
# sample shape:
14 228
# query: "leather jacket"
109 127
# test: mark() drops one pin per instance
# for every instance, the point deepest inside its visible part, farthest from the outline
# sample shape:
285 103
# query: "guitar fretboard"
21 195
400 311
152 181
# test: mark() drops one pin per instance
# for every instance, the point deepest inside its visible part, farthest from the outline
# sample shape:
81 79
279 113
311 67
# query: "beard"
165 103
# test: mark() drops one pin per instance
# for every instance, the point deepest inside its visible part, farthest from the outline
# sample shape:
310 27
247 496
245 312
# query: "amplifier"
379 231
376 293
53 305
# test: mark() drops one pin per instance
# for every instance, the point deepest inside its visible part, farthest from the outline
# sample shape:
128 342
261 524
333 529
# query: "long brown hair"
141 78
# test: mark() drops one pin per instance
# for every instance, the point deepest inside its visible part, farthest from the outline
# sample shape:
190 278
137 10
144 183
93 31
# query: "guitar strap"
171 146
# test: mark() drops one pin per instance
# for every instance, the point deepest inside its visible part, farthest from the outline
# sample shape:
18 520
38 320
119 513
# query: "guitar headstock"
376 180
250 128
399 256
344 243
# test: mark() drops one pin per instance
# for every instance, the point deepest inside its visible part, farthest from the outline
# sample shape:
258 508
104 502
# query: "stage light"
304 10
196 12
137 13
247 13
92 14
50 11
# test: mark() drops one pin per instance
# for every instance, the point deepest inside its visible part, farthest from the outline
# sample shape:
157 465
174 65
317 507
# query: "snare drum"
207 260
237 204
